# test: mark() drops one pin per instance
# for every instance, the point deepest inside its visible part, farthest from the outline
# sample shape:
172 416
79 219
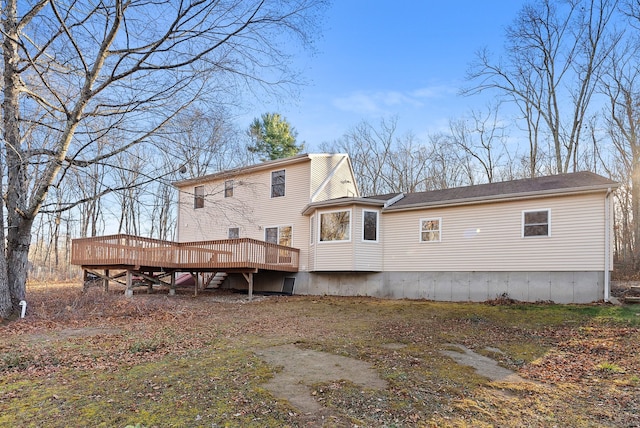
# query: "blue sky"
382 58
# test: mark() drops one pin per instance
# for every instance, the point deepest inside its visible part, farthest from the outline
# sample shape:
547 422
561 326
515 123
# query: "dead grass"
99 359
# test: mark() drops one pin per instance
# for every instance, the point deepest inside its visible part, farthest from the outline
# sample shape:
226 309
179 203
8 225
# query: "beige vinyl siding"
251 208
367 255
352 255
334 255
342 182
488 237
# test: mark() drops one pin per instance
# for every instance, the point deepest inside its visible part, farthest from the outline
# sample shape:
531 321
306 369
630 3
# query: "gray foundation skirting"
558 287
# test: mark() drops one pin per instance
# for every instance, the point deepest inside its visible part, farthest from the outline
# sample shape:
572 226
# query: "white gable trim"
328 178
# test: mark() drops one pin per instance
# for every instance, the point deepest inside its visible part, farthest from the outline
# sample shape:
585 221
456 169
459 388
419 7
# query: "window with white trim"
198 197
234 232
281 235
430 229
369 226
335 226
536 223
312 230
277 183
228 188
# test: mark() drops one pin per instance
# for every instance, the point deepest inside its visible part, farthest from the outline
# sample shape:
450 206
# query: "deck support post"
172 287
105 280
249 278
129 291
198 280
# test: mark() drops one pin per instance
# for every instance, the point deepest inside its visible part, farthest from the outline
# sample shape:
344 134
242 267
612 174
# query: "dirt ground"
218 359
301 369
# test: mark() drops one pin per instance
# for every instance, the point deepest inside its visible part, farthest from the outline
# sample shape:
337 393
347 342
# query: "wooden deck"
151 255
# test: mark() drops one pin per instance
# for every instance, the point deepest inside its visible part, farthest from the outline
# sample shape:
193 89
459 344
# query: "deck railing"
128 250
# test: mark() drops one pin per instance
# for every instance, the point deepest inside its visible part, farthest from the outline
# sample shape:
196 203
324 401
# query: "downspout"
607 244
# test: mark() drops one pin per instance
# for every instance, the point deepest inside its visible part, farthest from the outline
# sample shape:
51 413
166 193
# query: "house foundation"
558 287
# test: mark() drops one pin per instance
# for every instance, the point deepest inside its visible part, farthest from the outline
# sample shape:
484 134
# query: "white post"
607 243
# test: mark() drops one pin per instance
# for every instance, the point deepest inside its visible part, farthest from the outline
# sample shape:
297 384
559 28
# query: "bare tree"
556 52
621 84
78 71
482 137
370 150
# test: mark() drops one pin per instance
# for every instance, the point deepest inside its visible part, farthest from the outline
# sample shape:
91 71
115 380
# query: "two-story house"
541 239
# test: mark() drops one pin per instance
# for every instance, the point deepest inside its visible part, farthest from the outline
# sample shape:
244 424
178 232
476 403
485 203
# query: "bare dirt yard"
100 359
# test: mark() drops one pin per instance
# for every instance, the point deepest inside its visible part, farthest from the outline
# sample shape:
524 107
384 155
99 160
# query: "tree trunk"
11 115
635 209
18 240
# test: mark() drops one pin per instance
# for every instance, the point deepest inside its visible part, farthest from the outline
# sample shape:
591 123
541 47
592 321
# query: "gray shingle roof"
554 184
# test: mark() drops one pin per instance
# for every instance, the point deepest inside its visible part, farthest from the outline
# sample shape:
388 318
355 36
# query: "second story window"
277 183
228 188
198 197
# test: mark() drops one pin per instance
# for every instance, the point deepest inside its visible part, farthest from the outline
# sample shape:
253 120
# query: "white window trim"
229 231
319 228
284 192
371 241
312 230
420 229
232 188
278 227
548 235
197 197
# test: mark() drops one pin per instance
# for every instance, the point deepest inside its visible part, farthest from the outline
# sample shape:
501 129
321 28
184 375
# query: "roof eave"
243 170
503 197
341 203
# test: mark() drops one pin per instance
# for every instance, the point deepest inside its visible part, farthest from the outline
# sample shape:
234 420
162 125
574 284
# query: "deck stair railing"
136 251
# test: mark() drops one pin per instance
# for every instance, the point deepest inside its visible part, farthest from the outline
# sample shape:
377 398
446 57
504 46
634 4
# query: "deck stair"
216 280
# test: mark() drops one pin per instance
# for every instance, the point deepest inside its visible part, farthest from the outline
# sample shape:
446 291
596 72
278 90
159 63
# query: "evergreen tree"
273 137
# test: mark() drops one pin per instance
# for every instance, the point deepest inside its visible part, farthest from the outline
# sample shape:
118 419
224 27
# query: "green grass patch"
220 387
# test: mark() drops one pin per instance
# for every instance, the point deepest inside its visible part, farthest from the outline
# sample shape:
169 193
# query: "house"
541 239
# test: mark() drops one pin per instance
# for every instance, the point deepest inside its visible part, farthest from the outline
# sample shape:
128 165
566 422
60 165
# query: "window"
370 226
312 229
536 223
277 183
430 230
198 197
335 226
281 235
228 188
234 232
